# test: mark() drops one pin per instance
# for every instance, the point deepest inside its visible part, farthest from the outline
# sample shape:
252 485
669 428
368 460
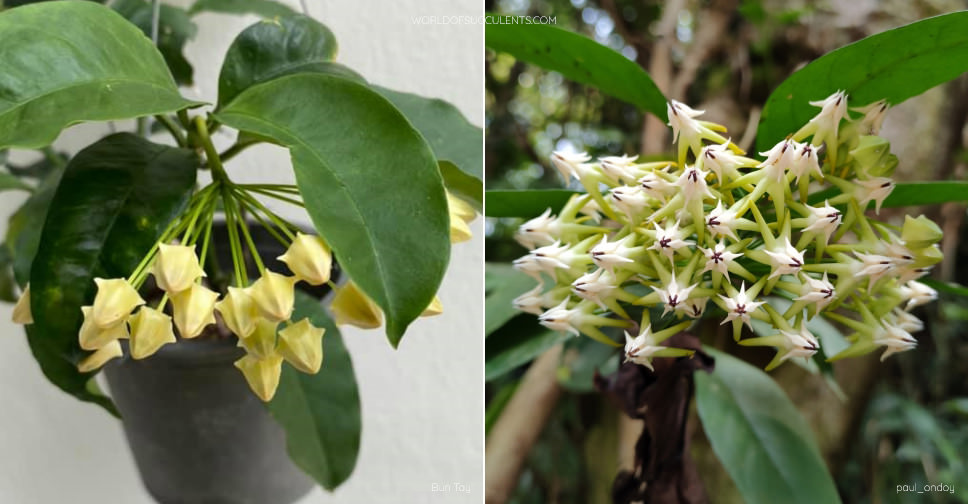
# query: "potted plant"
219 364
651 276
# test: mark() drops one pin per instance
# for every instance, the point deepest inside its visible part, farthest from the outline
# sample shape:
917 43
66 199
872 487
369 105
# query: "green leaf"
524 348
273 48
581 359
926 193
760 437
946 287
175 29
370 183
894 65
526 203
462 185
112 204
452 137
503 284
320 413
9 182
8 284
497 404
69 62
580 59
263 8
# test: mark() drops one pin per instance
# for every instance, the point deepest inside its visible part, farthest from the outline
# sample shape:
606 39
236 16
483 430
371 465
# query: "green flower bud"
920 233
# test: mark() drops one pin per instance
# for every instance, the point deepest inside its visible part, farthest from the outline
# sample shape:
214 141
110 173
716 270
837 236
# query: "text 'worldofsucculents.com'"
477 20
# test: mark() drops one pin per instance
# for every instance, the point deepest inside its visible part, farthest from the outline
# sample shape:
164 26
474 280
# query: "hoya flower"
301 344
21 310
693 308
799 344
895 339
100 357
92 337
718 258
908 273
874 266
608 254
561 318
558 256
262 375
531 301
620 169
916 294
687 131
194 309
642 348
544 229
656 186
274 294
870 124
816 291
917 233
461 214
351 306
261 343
786 260
568 163
434 308
150 330
739 307
238 311
825 124
722 221
907 321
722 161
779 159
875 189
631 200
823 220
805 162
531 266
693 184
176 267
594 285
592 209
669 239
310 259
115 300
674 293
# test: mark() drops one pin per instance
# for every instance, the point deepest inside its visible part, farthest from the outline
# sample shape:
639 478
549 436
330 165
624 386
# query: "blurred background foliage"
903 422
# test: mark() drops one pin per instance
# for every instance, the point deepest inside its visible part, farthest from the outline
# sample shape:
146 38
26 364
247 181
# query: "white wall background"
422 404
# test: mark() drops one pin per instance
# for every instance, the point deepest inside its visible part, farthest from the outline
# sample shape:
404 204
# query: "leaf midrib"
18 105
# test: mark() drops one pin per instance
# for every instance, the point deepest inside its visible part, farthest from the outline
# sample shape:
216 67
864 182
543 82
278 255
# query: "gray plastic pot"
198 434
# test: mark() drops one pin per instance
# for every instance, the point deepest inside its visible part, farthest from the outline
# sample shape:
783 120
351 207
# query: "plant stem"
211 155
237 148
172 128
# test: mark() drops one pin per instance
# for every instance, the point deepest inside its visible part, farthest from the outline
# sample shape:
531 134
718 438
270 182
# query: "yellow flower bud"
238 311
459 231
461 213
150 330
115 300
262 374
261 343
21 310
351 306
176 268
97 359
92 337
194 309
301 344
273 294
434 308
309 258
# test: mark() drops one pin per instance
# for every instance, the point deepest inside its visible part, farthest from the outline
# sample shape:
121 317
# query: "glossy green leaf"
462 185
526 348
369 180
452 137
275 47
263 8
320 413
926 193
175 29
759 436
502 283
112 203
580 59
525 203
894 65
63 64
946 287
12 182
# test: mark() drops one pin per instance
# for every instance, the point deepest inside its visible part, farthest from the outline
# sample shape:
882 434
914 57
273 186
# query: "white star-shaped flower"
870 124
825 124
569 163
641 348
693 184
785 261
722 221
718 258
875 189
557 256
823 220
740 306
674 294
608 254
594 285
669 240
531 301
805 162
780 159
817 291
917 294
562 319
693 308
631 200
721 161
544 229
656 186
895 339
800 344
620 169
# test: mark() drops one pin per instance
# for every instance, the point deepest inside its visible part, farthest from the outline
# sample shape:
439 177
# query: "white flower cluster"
717 232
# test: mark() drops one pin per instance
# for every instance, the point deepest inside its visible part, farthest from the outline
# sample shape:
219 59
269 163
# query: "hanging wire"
305 6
